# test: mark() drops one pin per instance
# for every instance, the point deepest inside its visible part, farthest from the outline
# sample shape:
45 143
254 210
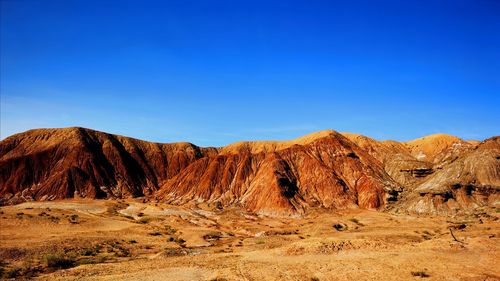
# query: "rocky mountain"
471 180
48 164
435 174
323 169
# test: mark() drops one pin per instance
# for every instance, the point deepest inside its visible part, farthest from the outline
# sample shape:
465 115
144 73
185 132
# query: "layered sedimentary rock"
437 174
49 164
396 159
440 174
471 180
323 169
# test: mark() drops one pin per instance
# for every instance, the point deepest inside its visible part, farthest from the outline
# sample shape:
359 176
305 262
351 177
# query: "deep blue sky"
214 72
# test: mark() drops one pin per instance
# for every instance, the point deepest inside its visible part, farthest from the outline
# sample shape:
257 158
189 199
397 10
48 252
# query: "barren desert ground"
129 240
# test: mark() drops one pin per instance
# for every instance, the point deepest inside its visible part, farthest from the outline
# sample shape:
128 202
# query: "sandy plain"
130 240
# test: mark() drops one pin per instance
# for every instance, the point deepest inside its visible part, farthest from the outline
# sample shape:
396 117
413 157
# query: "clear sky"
215 72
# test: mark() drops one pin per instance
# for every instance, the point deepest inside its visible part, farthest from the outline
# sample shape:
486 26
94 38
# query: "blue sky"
215 72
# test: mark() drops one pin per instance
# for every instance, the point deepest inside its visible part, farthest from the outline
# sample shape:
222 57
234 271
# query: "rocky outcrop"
438 148
49 164
327 171
470 181
440 174
396 159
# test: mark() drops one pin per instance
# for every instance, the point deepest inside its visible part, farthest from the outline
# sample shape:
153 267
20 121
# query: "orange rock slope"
325 169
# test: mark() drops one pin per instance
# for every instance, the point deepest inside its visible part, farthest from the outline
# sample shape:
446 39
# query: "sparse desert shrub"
20 273
12 273
259 242
314 279
132 242
89 252
421 274
170 230
212 236
59 261
95 260
122 252
174 252
86 261
54 219
156 233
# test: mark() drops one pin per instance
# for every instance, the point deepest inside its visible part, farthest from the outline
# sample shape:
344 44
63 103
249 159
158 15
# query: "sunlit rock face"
325 169
470 181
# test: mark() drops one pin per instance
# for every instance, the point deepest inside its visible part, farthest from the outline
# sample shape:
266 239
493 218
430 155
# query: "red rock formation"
62 163
325 169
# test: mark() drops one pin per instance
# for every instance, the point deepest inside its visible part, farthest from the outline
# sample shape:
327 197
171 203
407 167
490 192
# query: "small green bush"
59 261
170 230
12 273
89 252
95 260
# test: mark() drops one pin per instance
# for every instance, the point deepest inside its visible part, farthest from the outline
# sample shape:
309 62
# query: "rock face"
435 174
324 169
63 163
441 174
470 181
